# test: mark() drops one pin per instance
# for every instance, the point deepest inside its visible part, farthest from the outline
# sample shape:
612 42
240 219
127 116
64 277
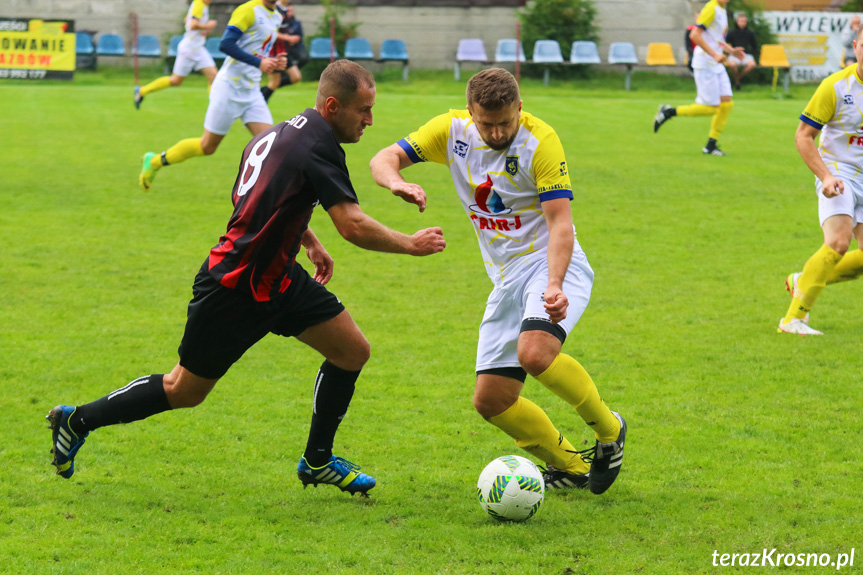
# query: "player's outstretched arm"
386 169
804 139
560 244
364 231
319 256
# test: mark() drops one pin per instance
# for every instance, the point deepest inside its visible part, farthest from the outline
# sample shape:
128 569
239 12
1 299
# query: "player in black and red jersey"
250 285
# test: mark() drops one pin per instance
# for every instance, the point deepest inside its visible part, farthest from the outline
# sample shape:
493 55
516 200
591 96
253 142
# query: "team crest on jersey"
849 99
460 148
512 165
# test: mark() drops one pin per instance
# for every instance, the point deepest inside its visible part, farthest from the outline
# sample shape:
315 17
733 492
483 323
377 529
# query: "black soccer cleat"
559 479
712 151
607 459
662 116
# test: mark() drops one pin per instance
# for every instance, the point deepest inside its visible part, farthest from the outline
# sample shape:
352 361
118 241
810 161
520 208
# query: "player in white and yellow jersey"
236 92
714 96
836 112
192 55
511 175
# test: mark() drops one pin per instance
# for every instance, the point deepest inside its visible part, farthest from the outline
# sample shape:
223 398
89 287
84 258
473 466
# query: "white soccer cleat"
797 326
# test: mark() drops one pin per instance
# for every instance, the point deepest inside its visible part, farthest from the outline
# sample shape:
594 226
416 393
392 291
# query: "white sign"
812 41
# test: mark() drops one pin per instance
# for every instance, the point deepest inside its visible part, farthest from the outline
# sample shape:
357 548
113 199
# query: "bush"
563 20
332 9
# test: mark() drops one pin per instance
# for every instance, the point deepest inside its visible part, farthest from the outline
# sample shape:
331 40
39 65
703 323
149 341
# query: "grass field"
740 439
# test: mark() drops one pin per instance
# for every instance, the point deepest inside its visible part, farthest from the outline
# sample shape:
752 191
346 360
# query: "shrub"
563 20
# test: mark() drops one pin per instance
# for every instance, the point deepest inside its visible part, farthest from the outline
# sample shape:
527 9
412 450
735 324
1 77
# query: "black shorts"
222 323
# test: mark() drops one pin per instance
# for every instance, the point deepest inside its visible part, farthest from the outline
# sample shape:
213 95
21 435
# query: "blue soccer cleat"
138 97
339 472
66 442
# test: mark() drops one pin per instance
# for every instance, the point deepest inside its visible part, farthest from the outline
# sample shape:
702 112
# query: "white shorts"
192 61
849 203
747 58
711 85
507 307
227 103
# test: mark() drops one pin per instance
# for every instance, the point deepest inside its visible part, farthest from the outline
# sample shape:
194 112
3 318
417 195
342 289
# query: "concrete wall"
431 34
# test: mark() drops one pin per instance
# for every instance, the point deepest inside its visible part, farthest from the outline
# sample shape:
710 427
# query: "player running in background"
834 112
711 78
290 42
236 91
251 285
192 55
510 173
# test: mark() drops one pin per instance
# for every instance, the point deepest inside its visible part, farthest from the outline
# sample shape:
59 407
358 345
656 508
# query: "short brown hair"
493 89
342 79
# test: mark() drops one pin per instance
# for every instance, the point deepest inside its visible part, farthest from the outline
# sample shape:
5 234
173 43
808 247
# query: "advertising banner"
36 49
812 41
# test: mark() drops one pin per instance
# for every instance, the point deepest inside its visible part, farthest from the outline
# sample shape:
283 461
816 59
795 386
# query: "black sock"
671 112
265 90
711 144
140 399
334 389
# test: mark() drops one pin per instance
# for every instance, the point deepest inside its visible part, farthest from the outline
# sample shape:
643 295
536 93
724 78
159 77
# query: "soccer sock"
696 110
181 151
334 389
534 432
850 267
567 379
267 92
140 399
156 85
720 119
812 281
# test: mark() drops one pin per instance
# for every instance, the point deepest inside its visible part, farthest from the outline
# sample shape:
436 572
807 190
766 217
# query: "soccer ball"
510 488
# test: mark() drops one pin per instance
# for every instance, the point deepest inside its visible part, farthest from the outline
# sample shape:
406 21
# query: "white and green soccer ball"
511 488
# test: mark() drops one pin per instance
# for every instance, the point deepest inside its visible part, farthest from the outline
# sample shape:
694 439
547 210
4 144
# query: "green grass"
740 439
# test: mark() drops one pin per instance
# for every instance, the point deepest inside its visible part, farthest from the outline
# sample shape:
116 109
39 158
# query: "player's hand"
556 303
831 186
738 53
428 241
282 61
411 193
269 65
322 261
719 57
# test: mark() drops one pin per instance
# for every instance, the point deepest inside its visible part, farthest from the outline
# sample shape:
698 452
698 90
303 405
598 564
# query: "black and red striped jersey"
285 172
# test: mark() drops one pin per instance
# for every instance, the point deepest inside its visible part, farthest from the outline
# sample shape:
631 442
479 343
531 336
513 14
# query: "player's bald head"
493 89
341 80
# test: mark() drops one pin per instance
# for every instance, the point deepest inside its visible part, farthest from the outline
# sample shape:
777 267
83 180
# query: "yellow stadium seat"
660 54
774 56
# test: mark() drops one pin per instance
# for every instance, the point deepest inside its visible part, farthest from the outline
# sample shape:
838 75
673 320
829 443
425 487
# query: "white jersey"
259 26
713 22
193 39
501 191
836 109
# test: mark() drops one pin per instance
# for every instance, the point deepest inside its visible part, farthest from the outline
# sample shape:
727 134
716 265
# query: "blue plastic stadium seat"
148 47
547 52
212 46
395 51
321 49
358 49
623 53
110 45
173 44
507 49
469 50
84 43
584 52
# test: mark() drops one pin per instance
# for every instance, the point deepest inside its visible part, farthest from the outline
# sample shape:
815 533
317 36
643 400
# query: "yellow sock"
534 432
567 379
696 110
850 267
156 85
813 279
719 120
179 152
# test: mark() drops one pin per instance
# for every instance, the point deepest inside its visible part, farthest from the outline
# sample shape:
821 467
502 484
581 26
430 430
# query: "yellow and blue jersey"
259 26
836 109
501 190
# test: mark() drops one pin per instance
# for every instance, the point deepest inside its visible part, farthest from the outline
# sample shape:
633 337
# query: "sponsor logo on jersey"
460 148
512 165
489 203
562 169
